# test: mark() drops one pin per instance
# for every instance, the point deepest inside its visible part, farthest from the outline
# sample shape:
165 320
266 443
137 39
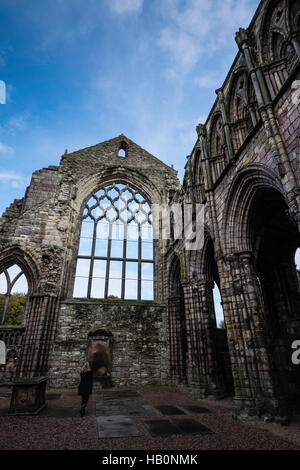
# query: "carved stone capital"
242 38
201 131
220 94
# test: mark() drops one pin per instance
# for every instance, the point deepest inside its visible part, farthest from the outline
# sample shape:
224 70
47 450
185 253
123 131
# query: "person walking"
85 387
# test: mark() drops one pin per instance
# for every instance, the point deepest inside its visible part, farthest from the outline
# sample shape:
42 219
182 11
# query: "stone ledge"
76 301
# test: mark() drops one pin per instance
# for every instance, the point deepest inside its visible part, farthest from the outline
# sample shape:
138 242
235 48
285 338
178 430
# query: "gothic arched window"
13 292
115 256
217 144
243 109
239 98
279 26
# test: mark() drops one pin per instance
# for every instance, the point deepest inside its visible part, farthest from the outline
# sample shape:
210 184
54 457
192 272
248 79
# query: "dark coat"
86 383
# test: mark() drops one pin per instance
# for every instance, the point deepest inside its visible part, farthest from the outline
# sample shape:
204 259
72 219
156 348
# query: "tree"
15 308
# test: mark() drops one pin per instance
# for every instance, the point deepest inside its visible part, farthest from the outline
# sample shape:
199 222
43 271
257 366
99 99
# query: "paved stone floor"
149 418
113 409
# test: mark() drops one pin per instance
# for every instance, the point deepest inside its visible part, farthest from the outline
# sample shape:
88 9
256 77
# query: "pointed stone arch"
88 187
198 178
208 365
216 135
260 243
242 106
197 169
243 189
13 335
272 21
277 24
15 255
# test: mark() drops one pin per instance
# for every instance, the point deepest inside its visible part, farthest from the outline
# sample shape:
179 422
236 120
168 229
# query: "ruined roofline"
121 138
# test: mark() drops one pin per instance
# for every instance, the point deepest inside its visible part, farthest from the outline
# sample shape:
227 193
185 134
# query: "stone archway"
177 325
209 367
19 271
261 298
219 340
275 239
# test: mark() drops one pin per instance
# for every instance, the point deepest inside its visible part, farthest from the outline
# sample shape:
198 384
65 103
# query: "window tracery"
115 257
13 291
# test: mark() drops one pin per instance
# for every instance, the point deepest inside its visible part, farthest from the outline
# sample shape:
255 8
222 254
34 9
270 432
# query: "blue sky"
78 72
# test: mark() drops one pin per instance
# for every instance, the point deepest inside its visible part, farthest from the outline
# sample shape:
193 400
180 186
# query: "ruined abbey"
82 237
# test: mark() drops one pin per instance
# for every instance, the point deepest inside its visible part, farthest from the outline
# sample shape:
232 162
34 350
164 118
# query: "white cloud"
6 150
16 123
210 80
155 130
125 6
159 127
198 28
14 179
182 47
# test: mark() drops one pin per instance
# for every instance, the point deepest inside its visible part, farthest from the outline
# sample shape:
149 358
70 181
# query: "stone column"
39 335
177 339
204 377
202 136
227 132
261 91
260 88
252 114
256 393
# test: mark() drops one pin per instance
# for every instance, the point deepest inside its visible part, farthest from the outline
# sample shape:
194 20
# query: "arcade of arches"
220 319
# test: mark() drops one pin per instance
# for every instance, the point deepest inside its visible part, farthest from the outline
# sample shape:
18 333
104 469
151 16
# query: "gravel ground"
45 432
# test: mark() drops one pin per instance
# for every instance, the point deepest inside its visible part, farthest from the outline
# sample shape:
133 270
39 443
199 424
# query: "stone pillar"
177 340
260 88
252 114
39 335
202 136
227 132
261 91
256 394
203 375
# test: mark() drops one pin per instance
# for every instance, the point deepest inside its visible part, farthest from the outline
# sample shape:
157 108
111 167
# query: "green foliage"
15 308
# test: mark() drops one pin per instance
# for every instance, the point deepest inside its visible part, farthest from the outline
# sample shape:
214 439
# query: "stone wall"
245 162
139 331
41 233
